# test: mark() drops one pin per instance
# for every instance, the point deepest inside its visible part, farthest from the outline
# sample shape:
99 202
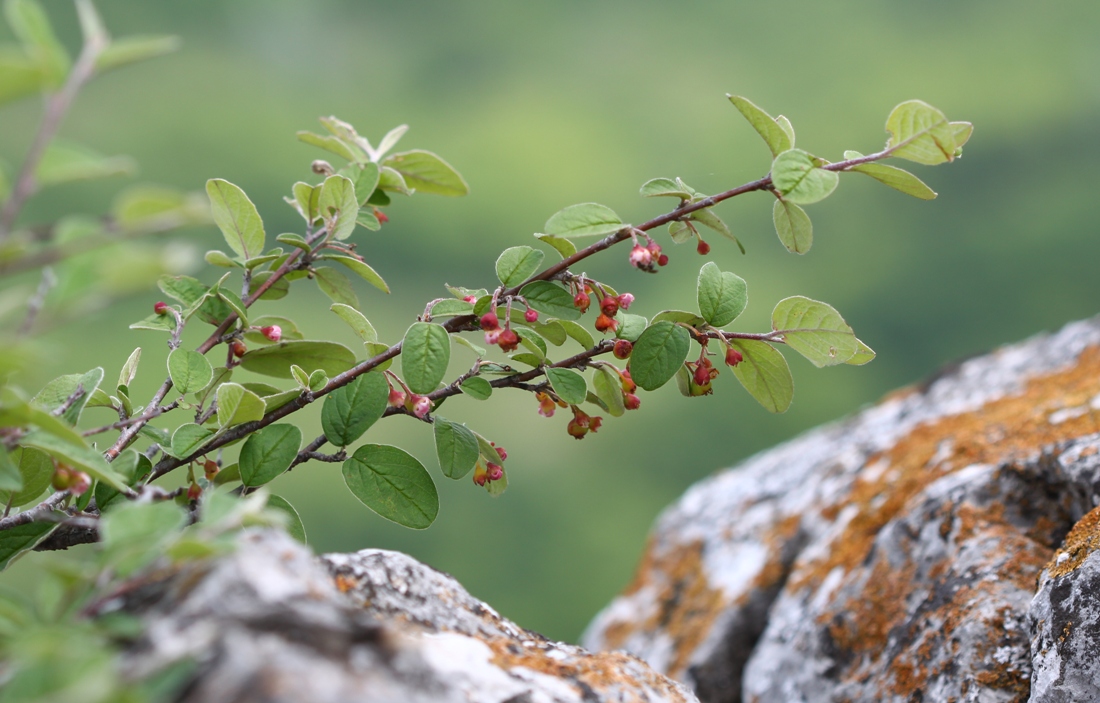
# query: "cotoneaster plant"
578 345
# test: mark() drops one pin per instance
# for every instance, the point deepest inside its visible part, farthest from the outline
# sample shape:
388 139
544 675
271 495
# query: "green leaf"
21 539
533 341
787 128
276 291
658 353
332 144
190 371
275 360
65 162
657 187
184 289
459 339
269 452
793 226
336 286
236 217
425 354
796 175
390 140
132 467
188 439
294 525
221 375
722 295
392 483
356 320
456 446
216 257
368 220
449 307
963 130
31 25
477 388
10 478
366 181
516 264
128 50
764 374
764 124
232 301
533 360
35 472
19 75
427 173
688 318
707 217
338 206
306 202
583 220
864 355
360 269
237 404
318 380
550 299
563 246
129 369
579 334
294 240
815 330
375 349
609 390
920 133
349 411
896 178
137 533
630 326
59 390
568 384
680 231
82 458
389 179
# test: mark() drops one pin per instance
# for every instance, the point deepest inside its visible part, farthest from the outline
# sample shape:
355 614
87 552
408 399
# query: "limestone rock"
888 557
270 622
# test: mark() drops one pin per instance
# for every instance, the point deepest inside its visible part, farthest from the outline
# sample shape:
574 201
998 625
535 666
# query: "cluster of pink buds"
505 337
68 478
491 471
630 399
647 258
583 423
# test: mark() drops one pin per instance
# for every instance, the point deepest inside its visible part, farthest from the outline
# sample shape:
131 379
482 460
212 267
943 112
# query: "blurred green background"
541 105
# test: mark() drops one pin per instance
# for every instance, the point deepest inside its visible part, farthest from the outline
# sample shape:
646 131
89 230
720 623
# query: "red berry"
605 323
238 347
272 332
489 322
631 401
62 478
530 315
210 469
703 248
627 382
508 341
609 306
701 375
733 357
160 308
623 348
581 301
194 492
662 260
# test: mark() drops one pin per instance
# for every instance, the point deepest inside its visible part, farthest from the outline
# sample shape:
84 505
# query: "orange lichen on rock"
1082 540
601 671
1011 427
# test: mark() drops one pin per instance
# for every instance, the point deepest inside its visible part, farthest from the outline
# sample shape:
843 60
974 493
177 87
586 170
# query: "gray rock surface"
888 557
270 622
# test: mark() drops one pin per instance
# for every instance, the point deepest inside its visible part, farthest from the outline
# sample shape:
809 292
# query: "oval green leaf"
338 206
774 136
425 353
294 525
269 452
456 446
477 388
658 353
275 360
764 374
392 483
236 217
793 226
815 330
921 133
516 264
336 286
799 179
568 384
608 387
349 411
583 220
427 173
550 299
722 295
237 404
190 371
658 187
362 270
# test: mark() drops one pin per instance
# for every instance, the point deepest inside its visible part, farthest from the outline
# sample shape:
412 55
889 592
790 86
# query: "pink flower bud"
470 299
733 357
272 332
631 401
421 405
495 471
625 301
397 397
640 257
160 308
493 336
531 315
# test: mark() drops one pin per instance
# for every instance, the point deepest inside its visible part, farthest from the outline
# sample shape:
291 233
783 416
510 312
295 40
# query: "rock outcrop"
916 551
270 622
